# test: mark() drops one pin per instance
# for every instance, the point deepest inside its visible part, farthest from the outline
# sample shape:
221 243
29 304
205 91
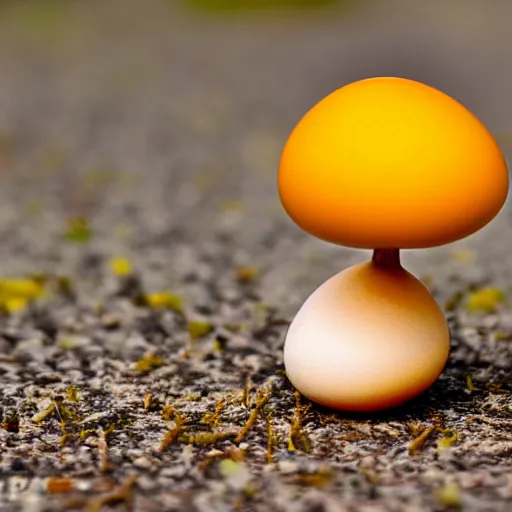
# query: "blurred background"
152 129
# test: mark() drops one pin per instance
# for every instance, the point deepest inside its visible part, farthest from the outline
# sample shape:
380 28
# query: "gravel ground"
149 374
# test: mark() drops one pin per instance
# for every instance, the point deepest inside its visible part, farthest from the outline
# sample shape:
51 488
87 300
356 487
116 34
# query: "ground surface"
164 132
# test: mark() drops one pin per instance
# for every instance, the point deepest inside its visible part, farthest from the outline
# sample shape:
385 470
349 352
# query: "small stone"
94 418
30 350
174 472
215 453
287 467
110 321
506 491
18 465
146 483
143 463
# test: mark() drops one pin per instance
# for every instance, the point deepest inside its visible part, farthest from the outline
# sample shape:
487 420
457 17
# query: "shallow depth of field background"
137 115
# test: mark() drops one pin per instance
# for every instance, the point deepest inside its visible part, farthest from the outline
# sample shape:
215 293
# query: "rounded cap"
391 163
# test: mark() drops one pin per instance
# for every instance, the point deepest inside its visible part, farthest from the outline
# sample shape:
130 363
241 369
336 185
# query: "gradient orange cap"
391 163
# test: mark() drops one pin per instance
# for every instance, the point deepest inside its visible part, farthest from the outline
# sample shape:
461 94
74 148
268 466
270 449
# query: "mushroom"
385 164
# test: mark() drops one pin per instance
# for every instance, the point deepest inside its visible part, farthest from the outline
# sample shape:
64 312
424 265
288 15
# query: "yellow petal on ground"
469 384
247 274
78 231
21 288
165 300
149 362
485 300
199 329
450 495
121 266
502 336
446 442
14 305
15 294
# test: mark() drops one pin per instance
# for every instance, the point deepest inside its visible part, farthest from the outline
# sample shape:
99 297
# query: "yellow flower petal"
121 266
485 300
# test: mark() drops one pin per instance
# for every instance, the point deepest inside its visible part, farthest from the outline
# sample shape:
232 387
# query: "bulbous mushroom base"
370 338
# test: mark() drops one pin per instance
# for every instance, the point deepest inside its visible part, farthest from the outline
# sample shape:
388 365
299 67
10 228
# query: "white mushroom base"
369 338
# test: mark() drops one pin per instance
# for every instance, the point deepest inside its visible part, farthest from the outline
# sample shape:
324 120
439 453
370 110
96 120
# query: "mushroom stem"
389 258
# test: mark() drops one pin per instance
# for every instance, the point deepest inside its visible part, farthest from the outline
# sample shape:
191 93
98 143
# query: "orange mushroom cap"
390 162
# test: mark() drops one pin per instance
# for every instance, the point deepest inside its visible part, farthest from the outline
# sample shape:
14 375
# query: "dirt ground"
149 272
